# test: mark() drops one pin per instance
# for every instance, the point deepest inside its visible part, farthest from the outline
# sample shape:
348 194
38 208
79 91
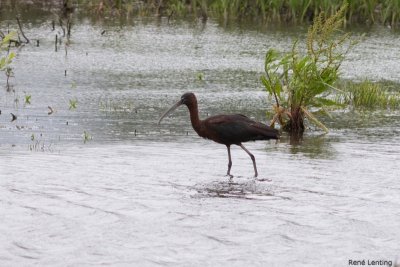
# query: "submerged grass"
369 95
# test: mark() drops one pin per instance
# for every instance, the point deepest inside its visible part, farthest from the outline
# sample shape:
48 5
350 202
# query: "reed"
385 12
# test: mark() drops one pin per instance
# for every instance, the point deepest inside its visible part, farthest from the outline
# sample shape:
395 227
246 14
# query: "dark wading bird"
225 129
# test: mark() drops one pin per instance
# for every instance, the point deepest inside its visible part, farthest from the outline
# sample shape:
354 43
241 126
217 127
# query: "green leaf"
270 57
266 84
9 36
11 56
28 99
2 62
278 88
302 63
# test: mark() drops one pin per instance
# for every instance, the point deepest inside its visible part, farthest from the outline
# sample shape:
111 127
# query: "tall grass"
368 95
300 11
385 12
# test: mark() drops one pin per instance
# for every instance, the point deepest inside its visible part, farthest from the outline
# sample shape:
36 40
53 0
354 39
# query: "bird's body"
226 129
235 129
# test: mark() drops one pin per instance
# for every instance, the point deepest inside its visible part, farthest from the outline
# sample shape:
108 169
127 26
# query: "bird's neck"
194 116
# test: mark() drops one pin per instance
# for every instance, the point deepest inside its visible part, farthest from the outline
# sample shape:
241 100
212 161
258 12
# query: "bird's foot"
230 176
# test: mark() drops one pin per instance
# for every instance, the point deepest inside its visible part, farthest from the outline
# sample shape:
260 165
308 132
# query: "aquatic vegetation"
73 103
386 12
368 95
200 76
22 32
6 56
9 73
27 99
86 137
390 12
6 59
73 85
290 11
116 7
119 106
299 83
38 144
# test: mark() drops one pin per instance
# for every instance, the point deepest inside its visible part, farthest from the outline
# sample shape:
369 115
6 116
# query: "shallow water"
143 194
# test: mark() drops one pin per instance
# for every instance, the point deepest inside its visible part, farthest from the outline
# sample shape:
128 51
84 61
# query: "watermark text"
369 262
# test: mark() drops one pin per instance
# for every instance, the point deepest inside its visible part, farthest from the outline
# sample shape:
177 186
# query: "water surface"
143 194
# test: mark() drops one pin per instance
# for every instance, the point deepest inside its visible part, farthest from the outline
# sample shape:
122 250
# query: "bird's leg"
230 161
252 158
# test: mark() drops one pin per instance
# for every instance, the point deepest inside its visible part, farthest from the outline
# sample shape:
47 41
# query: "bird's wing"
222 119
234 129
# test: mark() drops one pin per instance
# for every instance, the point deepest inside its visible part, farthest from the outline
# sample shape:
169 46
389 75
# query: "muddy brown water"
140 194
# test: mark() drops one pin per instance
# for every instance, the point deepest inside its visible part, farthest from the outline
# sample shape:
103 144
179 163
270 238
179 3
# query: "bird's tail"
267 132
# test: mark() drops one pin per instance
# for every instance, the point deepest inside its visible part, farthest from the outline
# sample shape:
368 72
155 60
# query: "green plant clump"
73 103
86 137
28 99
368 95
300 83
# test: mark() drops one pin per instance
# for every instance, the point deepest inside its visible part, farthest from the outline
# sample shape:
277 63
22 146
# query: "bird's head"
186 99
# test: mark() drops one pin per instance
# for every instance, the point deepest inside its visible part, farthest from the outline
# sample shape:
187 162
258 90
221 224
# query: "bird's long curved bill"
169 111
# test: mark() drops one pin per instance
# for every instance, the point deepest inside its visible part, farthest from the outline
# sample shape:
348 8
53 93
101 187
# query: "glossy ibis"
225 129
